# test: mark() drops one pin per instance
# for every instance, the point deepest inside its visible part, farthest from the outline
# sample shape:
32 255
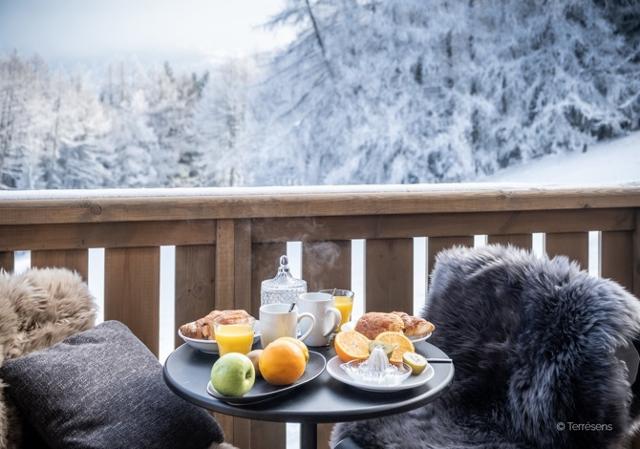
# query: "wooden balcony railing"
227 241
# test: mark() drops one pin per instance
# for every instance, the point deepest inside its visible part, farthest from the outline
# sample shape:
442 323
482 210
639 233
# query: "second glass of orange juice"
237 337
343 302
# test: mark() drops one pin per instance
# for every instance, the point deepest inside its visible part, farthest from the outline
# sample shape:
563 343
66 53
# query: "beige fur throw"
37 309
40 308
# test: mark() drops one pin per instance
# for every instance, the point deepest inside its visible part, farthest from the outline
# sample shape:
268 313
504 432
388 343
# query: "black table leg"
308 435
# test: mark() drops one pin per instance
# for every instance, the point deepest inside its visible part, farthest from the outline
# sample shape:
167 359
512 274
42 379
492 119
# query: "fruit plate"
211 346
335 371
351 325
262 391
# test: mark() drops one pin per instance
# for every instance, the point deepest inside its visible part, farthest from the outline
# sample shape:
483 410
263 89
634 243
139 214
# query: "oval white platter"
351 325
335 371
211 346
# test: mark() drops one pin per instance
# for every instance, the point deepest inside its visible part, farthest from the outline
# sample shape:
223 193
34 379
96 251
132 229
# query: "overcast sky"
95 29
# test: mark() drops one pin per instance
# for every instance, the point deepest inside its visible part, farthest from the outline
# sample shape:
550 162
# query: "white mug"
276 321
327 317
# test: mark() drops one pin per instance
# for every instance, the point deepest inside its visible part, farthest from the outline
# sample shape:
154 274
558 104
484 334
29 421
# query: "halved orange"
402 343
351 345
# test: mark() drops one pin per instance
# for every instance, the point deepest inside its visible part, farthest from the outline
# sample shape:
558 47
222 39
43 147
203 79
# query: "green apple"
233 374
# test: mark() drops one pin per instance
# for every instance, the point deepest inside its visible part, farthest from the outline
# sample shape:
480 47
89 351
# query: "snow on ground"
615 161
611 162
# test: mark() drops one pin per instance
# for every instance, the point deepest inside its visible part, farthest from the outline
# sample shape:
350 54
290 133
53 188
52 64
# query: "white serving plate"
351 325
211 346
335 371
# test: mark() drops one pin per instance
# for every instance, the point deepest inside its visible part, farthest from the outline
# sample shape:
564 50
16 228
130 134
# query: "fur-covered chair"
38 309
534 344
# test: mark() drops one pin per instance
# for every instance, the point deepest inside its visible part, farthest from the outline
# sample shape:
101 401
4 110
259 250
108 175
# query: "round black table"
323 400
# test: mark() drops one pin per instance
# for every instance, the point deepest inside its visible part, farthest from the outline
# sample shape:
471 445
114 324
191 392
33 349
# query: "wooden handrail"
91 206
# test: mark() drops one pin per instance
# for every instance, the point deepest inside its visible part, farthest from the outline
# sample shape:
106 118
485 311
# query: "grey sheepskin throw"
533 341
38 308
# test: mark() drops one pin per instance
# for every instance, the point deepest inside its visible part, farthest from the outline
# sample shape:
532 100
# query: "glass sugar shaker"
284 288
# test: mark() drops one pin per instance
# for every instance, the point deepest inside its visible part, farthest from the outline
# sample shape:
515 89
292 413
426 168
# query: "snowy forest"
369 91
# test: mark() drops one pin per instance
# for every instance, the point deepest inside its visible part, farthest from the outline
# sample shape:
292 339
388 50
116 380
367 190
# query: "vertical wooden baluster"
233 265
224 295
195 274
327 265
523 241
240 266
73 259
226 273
575 245
6 261
243 268
437 244
616 257
225 264
264 265
389 275
132 291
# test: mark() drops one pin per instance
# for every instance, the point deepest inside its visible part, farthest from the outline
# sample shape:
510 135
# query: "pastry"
414 326
203 328
372 324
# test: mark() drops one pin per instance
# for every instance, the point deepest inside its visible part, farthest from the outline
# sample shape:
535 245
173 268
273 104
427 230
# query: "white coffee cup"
327 317
276 321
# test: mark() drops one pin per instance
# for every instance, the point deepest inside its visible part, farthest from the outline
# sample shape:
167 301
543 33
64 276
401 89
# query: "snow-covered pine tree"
443 90
24 121
131 140
221 124
76 138
172 99
566 80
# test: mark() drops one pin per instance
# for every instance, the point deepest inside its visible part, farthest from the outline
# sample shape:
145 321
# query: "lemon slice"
416 362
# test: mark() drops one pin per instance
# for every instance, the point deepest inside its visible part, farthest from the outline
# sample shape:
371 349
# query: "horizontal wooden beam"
440 225
107 235
77 206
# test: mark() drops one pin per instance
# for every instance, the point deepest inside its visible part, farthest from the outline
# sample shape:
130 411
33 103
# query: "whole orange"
300 344
282 362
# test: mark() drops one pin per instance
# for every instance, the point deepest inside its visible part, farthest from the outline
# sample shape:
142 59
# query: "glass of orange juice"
236 337
343 302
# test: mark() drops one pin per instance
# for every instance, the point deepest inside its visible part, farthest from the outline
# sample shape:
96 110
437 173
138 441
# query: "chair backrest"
534 342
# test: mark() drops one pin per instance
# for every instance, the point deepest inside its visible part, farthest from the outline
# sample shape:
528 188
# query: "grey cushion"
103 388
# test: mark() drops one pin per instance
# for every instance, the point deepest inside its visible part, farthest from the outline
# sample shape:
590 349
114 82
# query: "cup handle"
313 323
337 318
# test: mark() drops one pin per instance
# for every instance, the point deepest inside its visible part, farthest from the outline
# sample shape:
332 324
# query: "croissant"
414 326
372 324
203 328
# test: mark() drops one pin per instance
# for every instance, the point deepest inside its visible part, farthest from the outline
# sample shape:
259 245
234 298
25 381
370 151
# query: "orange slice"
351 345
402 343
